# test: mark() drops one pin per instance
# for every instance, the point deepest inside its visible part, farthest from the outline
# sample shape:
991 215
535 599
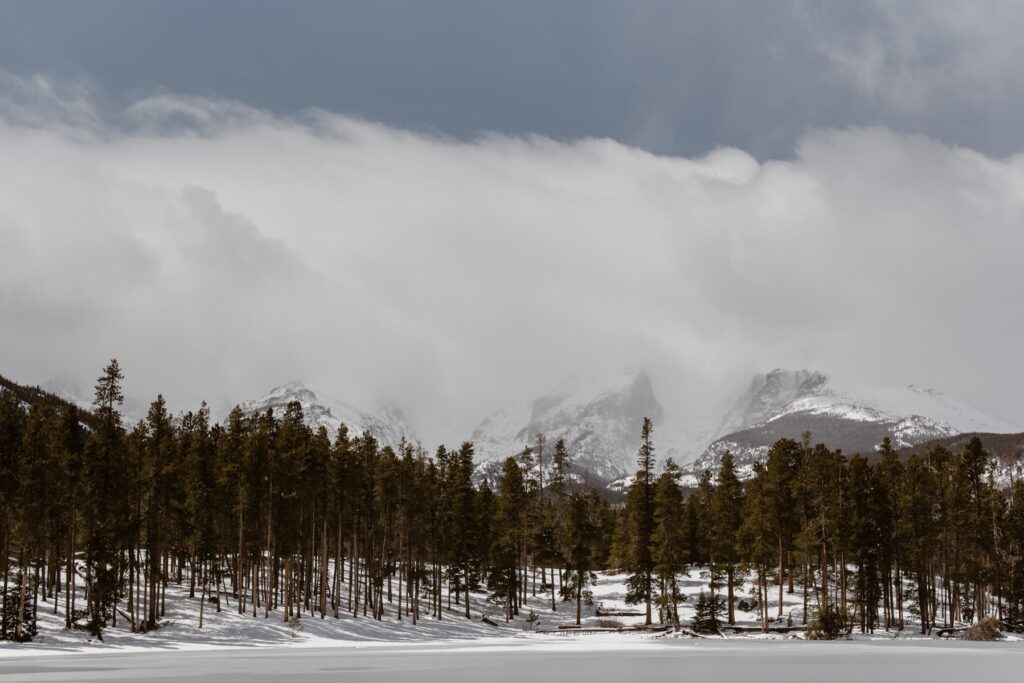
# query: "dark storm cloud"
670 77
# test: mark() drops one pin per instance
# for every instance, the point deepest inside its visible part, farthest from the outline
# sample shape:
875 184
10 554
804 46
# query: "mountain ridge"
851 416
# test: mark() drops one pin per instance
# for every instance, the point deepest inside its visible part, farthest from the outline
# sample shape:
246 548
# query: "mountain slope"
31 396
600 421
1007 450
849 415
385 422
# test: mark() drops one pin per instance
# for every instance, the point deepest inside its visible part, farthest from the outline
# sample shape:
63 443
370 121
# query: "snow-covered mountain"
600 420
843 414
385 421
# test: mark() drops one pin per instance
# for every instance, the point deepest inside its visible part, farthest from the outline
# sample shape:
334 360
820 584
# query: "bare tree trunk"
729 580
323 567
21 599
579 596
782 571
202 596
69 598
553 608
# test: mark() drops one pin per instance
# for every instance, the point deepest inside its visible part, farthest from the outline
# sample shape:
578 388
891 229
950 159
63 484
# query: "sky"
454 205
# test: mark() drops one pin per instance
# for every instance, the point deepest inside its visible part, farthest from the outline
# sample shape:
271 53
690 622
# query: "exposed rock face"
599 420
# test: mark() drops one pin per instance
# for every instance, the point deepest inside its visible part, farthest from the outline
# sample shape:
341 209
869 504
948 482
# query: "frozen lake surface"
583 660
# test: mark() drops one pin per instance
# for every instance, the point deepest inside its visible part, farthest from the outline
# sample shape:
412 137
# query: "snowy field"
231 646
595 661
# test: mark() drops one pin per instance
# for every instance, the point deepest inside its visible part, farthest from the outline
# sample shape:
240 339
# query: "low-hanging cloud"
217 251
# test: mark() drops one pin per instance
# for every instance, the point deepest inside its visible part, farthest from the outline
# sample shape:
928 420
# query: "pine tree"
863 541
157 465
32 514
782 477
757 533
559 479
889 473
917 517
509 522
638 525
104 516
668 542
707 614
1013 530
578 530
12 427
726 517
69 442
466 558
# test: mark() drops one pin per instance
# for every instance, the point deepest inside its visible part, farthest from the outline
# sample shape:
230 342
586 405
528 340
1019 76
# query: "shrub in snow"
830 623
986 629
531 621
609 623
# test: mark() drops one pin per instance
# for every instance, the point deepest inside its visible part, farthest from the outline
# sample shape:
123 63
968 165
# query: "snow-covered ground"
596 660
228 629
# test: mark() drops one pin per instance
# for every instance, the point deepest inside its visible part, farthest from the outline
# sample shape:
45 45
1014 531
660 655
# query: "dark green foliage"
637 526
707 613
10 599
668 542
726 519
33 396
830 622
508 534
578 533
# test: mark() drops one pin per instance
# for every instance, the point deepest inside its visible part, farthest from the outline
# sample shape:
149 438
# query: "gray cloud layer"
672 76
218 250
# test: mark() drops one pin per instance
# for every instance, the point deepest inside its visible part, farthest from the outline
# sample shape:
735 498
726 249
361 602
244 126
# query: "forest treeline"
263 515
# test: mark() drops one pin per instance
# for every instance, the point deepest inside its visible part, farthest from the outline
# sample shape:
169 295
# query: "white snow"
228 629
858 401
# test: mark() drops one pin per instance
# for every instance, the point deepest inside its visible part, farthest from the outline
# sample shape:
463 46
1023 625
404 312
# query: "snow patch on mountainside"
859 401
853 416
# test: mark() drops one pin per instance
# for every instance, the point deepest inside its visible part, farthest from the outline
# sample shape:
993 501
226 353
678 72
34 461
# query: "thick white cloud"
217 250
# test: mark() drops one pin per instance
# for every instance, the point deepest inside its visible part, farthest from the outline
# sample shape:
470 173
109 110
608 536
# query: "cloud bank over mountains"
217 249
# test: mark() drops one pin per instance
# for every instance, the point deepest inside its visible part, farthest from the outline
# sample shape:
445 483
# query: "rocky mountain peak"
599 419
383 420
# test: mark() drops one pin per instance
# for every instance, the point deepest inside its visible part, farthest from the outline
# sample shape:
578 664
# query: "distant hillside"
1003 447
31 396
1006 449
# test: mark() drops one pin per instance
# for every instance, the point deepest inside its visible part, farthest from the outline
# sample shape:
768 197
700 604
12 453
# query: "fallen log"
758 629
953 630
586 630
618 613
